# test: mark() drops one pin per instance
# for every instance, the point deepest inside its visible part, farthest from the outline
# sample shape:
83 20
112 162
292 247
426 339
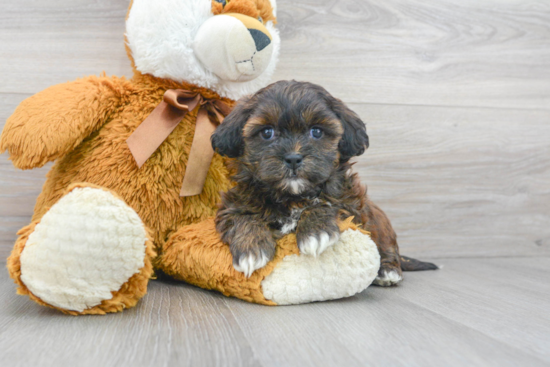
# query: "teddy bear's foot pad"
84 248
342 270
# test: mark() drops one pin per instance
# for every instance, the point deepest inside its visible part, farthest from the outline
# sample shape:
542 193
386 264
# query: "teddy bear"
136 183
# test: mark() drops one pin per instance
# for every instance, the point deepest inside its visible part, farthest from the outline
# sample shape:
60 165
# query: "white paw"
315 245
389 278
248 263
84 248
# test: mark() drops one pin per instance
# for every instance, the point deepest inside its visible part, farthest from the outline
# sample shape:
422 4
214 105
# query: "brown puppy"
292 142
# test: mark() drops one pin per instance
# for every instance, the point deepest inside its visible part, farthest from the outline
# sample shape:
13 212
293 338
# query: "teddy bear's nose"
260 38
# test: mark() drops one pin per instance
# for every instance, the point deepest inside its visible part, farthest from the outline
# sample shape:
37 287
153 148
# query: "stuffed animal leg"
196 255
89 254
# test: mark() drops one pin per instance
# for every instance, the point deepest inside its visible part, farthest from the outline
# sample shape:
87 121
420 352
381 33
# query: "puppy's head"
291 136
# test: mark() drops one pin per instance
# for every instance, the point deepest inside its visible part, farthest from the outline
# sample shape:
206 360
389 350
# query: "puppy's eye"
267 133
316 133
221 2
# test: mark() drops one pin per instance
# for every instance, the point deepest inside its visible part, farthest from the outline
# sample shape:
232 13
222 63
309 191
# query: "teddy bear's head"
229 46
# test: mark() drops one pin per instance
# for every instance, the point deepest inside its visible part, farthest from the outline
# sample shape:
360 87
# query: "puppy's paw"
315 244
388 276
249 263
316 232
252 254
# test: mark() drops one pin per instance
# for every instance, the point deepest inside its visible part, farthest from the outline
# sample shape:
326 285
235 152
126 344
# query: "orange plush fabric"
196 255
252 8
101 155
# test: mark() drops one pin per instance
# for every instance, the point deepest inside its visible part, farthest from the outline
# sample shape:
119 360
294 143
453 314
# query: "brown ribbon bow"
176 103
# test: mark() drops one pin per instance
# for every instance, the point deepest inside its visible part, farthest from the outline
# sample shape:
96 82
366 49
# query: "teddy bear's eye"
221 2
260 19
267 133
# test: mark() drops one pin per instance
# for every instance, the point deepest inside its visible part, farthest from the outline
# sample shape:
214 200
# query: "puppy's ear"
354 139
228 140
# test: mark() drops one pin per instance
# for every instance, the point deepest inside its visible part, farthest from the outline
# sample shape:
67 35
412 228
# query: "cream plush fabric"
344 269
85 247
167 52
225 46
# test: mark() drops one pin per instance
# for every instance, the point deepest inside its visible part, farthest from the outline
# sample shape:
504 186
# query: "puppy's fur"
299 180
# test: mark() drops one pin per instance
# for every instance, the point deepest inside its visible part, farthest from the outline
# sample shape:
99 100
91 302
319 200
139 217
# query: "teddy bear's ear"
227 140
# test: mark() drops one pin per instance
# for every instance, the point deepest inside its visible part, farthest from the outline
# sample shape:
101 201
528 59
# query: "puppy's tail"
410 264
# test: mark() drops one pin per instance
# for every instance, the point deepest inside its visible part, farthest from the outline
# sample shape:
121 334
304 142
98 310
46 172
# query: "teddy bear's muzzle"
233 46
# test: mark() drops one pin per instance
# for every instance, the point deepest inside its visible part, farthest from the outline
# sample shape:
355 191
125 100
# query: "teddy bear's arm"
53 122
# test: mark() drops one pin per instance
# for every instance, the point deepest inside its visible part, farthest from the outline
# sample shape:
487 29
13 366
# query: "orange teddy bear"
135 182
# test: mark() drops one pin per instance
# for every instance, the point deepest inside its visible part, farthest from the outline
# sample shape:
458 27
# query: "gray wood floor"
456 96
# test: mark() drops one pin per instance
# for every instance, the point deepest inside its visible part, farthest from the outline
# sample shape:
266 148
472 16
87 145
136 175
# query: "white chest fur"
289 223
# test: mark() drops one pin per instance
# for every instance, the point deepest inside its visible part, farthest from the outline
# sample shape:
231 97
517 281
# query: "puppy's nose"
293 160
260 39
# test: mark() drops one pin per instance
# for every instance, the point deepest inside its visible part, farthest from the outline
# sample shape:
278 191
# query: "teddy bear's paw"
342 270
85 248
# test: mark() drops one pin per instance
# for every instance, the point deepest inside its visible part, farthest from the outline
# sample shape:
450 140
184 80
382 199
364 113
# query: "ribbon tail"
218 115
148 136
200 156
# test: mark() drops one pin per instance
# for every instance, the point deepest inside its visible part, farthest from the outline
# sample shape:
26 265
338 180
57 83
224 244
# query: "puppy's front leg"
250 241
317 230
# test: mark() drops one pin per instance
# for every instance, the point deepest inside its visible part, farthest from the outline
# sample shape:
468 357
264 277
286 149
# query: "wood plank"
503 298
472 312
46 43
460 181
467 53
472 53
174 325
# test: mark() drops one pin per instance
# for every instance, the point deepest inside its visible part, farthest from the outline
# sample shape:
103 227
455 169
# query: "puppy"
292 142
